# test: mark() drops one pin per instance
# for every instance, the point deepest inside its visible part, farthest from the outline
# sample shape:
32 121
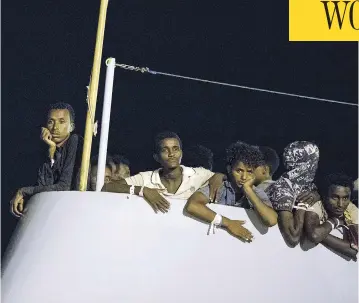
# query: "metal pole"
95 75
105 124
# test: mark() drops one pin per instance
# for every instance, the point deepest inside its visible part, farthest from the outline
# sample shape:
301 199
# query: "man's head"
271 159
338 191
122 167
168 150
199 156
108 171
60 121
242 160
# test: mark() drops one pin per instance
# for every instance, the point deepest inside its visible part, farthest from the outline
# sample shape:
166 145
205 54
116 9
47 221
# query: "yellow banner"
315 20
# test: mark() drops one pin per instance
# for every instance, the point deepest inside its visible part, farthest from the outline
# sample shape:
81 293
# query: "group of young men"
299 209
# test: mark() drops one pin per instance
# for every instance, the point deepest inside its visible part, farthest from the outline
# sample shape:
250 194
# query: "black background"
47 57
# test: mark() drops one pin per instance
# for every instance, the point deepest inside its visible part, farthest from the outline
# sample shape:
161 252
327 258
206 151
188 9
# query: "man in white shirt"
171 180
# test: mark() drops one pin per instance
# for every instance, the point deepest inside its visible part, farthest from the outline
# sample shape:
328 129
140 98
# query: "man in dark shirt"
61 170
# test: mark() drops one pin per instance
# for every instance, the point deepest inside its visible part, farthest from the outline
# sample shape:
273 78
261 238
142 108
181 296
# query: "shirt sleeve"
136 180
204 175
353 211
263 196
65 179
282 202
205 190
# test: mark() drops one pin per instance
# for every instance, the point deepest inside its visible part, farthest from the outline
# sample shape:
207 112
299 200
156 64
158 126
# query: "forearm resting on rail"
291 226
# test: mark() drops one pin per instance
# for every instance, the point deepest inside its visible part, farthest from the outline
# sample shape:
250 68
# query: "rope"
92 116
147 70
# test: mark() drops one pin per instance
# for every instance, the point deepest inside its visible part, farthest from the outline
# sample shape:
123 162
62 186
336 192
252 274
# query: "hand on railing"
236 228
153 197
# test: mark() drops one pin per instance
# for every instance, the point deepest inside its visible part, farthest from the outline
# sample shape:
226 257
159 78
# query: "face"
170 153
241 173
338 199
94 176
122 172
261 173
59 124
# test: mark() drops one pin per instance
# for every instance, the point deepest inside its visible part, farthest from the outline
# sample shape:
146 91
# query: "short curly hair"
242 152
339 179
271 158
61 105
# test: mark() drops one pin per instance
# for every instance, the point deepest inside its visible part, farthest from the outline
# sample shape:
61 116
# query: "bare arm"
315 231
291 226
119 186
268 215
151 195
340 245
196 206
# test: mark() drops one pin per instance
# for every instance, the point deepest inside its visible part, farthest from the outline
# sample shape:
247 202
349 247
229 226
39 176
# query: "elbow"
291 240
193 207
190 207
314 237
272 220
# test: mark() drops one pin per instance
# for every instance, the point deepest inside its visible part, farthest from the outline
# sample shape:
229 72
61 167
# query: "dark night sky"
47 57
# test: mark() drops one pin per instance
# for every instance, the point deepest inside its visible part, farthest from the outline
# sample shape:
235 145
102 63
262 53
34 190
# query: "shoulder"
197 171
75 138
264 185
204 190
352 210
147 176
279 188
73 141
148 173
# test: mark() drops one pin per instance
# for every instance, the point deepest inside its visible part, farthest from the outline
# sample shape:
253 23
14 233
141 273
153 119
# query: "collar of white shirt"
187 173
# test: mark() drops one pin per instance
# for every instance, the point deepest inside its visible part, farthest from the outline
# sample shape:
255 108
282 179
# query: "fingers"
305 197
17 207
246 234
153 205
158 203
45 134
240 232
218 193
302 196
241 222
163 205
21 206
308 199
214 193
